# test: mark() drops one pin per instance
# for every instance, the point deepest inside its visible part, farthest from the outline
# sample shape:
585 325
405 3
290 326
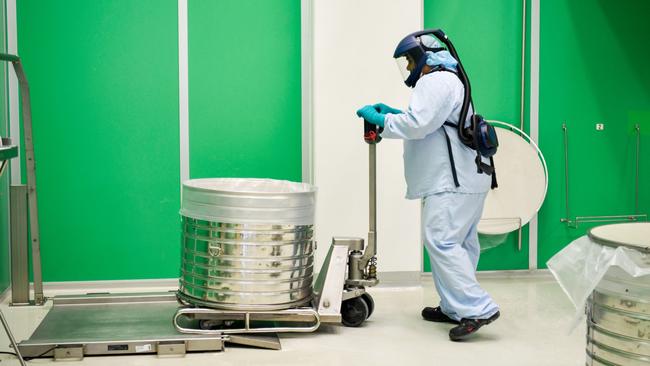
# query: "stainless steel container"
247 243
618 321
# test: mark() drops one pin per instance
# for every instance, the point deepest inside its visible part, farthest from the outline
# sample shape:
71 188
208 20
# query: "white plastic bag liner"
580 267
249 201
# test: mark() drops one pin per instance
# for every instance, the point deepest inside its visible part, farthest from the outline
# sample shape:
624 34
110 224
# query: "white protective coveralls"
450 214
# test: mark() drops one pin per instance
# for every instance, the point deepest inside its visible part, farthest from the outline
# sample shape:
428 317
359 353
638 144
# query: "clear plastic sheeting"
580 267
492 241
249 201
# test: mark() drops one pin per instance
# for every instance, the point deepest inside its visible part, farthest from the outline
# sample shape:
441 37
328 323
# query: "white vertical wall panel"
183 93
353 44
533 227
14 103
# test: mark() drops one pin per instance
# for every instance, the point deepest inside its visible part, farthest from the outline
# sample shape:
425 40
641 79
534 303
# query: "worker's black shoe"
469 326
436 315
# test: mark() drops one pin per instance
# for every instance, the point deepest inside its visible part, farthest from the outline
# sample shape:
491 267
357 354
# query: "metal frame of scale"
21 198
24 205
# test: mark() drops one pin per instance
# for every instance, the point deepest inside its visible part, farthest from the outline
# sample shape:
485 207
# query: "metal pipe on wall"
523 66
637 129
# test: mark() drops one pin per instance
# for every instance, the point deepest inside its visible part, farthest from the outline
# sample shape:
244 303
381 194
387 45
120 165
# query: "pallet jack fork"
340 289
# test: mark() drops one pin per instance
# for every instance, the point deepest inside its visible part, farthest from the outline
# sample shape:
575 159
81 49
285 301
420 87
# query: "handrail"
575 222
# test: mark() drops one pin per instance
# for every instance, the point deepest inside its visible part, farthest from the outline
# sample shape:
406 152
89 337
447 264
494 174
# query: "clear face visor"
405 64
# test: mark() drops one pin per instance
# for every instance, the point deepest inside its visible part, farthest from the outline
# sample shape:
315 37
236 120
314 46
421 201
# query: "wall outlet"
600 126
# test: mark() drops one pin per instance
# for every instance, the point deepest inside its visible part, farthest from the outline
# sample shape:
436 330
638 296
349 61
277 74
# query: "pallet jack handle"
371 134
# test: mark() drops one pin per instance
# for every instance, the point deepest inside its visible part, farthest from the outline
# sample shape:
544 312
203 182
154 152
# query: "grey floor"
534 329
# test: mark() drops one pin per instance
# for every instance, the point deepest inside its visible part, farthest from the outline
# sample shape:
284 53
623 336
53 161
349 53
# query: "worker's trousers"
449 228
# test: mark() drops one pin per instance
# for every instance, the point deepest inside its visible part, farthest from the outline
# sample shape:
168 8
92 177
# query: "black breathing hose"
467 100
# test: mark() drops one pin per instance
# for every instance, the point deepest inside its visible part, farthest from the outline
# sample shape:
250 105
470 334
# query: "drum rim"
616 244
187 185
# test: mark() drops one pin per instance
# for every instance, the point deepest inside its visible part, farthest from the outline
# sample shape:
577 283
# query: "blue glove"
370 114
383 108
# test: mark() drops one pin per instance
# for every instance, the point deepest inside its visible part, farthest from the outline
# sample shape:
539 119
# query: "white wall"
353 44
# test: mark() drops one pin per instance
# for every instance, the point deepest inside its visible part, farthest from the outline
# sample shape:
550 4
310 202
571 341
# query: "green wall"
487 36
245 96
4 179
104 83
593 69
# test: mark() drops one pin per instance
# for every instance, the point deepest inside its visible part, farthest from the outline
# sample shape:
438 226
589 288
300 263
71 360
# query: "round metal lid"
634 235
522 178
249 201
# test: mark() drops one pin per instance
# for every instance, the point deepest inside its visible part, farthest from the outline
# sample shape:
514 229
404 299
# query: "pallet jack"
340 289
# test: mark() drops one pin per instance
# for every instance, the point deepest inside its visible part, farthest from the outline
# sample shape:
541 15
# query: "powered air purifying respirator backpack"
480 136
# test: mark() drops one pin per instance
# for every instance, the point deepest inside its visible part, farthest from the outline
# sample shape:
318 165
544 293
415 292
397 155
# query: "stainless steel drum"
247 243
618 321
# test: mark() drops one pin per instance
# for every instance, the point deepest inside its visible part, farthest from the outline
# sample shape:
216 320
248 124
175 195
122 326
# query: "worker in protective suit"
452 198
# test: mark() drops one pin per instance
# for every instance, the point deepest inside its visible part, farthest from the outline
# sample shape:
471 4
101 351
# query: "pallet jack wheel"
354 312
210 324
370 302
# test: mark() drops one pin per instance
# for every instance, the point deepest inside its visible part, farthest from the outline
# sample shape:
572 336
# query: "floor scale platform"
118 324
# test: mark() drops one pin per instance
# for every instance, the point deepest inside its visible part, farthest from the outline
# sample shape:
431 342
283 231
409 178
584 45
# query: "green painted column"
104 83
487 36
4 179
244 89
